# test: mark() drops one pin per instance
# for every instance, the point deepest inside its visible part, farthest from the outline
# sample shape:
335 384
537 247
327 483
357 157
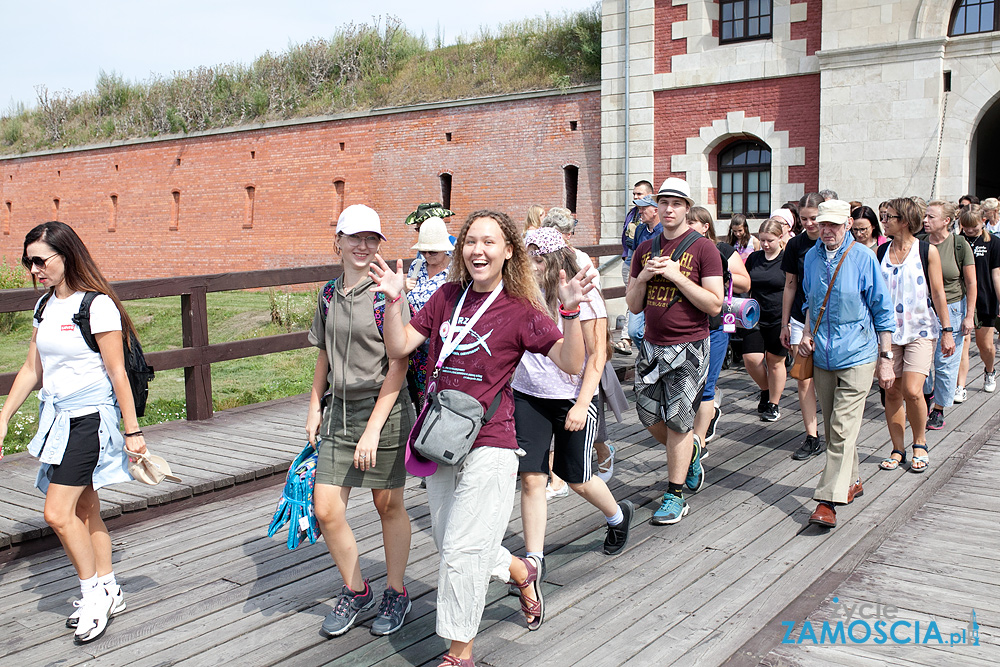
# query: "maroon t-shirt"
486 358
681 322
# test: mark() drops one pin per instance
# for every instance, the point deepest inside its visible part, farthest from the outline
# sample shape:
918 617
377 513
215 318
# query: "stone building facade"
871 98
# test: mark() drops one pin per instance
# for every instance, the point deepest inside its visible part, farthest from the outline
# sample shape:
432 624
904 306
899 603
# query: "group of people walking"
899 307
515 319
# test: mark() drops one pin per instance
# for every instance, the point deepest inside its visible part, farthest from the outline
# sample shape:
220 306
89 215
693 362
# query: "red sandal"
534 608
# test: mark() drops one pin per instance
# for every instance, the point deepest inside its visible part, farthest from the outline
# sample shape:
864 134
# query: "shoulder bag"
802 367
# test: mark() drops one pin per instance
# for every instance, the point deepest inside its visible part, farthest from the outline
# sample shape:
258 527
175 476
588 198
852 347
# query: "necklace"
901 251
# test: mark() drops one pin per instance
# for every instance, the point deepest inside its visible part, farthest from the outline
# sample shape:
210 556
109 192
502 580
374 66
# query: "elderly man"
649 227
852 333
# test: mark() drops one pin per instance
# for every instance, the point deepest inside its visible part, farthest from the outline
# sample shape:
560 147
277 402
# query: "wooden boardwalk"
206 586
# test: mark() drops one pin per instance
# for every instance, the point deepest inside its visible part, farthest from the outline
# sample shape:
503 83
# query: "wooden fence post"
197 378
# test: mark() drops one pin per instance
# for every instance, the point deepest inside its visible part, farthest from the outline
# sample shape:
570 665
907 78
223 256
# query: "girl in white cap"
362 429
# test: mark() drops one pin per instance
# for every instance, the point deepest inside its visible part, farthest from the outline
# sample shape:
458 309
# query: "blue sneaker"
671 510
696 472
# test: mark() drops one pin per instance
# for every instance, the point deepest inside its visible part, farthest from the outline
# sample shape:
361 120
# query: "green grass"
361 66
231 316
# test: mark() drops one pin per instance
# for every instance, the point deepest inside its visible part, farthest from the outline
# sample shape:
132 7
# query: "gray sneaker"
990 382
346 610
391 612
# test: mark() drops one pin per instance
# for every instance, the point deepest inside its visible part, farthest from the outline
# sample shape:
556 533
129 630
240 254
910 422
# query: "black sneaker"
617 536
346 610
710 435
391 612
935 420
811 447
765 398
771 414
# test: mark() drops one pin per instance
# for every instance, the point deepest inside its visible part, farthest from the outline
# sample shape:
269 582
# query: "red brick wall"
665 46
505 155
811 29
791 103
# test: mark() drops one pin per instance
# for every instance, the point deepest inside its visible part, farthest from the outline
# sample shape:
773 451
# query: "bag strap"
678 252
829 289
41 306
82 320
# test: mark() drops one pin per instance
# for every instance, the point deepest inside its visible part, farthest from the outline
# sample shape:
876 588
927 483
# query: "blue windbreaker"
859 306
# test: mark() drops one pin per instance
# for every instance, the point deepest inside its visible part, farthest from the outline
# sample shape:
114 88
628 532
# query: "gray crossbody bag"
451 419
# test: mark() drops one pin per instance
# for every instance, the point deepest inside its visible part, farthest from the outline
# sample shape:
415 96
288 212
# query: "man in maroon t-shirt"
676 294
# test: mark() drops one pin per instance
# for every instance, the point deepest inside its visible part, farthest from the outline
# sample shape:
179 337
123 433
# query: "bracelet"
569 314
132 435
398 297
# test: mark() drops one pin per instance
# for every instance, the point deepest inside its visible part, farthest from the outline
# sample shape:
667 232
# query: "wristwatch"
947 329
886 355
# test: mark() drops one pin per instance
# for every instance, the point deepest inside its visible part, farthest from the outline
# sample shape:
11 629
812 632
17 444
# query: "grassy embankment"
232 316
361 67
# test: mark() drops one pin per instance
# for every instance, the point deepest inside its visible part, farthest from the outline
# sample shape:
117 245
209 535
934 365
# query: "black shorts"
537 420
985 321
764 339
82 452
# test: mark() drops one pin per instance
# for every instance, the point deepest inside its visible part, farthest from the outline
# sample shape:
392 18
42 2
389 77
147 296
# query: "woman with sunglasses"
917 293
84 395
362 431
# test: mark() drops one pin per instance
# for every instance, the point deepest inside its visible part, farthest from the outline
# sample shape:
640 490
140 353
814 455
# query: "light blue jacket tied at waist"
859 308
49 443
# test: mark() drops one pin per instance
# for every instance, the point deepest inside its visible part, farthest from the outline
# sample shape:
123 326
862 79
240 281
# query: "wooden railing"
197 356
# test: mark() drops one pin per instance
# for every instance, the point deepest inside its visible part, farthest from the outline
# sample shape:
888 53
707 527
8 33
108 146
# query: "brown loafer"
854 492
824 515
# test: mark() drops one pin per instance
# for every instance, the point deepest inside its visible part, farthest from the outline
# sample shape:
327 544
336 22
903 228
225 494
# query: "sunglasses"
37 262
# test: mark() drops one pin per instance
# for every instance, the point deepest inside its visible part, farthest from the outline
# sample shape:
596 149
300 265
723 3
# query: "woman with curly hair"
491 308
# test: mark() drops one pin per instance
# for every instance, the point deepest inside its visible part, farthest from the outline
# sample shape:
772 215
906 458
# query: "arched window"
972 16
745 179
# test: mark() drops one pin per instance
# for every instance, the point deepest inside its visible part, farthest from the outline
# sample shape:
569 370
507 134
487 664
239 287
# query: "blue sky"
65 44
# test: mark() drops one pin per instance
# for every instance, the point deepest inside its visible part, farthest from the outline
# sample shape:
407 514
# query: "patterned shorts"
669 380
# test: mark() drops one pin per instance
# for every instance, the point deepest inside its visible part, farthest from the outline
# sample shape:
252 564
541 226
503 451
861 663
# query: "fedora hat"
675 187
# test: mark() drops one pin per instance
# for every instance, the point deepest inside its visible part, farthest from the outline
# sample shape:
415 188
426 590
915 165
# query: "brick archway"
704 180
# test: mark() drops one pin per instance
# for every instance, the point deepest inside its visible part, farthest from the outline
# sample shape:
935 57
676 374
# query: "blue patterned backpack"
295 507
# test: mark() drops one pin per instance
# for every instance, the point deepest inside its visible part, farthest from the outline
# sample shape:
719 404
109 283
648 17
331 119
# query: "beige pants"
842 397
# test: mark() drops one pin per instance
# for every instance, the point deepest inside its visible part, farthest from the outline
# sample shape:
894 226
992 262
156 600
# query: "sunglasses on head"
37 262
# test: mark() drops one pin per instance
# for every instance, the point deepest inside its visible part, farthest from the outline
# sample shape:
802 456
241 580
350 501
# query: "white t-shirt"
583 261
68 365
538 376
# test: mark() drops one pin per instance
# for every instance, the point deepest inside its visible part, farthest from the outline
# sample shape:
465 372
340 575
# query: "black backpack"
924 249
139 372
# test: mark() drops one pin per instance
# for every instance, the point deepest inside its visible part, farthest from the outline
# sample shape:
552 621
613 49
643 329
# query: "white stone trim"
695 163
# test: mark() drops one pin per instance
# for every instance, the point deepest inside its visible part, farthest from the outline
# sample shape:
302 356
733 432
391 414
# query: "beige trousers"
842 397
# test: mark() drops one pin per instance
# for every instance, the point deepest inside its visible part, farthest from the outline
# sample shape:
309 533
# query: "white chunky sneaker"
118 606
94 615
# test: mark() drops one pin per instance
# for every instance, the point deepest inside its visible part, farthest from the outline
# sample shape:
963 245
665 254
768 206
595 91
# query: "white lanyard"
452 335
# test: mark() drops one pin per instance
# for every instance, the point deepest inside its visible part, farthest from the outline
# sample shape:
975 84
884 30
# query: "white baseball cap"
358 218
